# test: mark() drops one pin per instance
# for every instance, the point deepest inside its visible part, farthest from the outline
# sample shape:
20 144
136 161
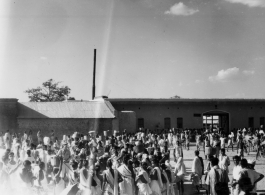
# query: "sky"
145 48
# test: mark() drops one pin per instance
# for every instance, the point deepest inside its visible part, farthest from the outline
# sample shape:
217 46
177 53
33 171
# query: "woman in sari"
156 181
85 188
58 182
143 180
10 174
126 170
111 178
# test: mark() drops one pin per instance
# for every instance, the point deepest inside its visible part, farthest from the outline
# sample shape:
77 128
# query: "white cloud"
43 58
225 75
231 74
181 9
248 72
250 3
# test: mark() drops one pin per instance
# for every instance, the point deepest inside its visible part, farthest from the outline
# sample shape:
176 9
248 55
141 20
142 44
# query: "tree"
175 97
50 91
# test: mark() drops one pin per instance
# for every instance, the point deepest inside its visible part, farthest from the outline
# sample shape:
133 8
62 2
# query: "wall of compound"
64 126
154 113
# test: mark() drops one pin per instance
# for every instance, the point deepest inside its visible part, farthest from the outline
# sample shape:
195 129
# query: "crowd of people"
127 163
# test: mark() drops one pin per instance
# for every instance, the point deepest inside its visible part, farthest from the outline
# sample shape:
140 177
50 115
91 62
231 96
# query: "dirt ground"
189 189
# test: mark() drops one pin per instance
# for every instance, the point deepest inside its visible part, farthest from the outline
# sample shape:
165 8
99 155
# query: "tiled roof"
88 109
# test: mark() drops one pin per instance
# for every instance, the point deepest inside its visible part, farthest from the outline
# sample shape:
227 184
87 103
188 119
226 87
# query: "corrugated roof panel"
90 109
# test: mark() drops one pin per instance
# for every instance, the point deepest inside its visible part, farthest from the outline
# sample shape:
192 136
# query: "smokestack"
94 75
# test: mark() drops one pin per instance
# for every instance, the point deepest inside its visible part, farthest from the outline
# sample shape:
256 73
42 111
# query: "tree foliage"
176 97
50 91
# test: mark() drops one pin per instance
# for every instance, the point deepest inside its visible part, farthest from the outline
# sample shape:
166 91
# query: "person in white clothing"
235 177
224 161
254 176
222 140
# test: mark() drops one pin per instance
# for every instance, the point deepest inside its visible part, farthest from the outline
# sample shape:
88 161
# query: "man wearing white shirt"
236 174
254 176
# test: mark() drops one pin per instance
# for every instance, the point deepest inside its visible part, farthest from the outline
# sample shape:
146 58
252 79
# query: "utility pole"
94 75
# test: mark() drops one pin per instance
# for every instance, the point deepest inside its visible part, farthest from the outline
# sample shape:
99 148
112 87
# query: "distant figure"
197 169
224 161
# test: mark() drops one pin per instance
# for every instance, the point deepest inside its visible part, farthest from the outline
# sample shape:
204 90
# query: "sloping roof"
89 109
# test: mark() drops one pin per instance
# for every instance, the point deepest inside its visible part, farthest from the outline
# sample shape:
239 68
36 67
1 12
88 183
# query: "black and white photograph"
132 97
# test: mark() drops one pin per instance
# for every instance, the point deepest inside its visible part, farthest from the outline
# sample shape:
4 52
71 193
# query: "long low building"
130 114
194 113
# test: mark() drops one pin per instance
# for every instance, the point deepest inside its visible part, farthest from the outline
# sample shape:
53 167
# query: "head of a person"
154 162
27 164
73 164
126 159
55 170
85 163
29 153
214 161
144 165
223 152
136 163
210 157
11 156
7 151
196 152
236 159
244 163
109 163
